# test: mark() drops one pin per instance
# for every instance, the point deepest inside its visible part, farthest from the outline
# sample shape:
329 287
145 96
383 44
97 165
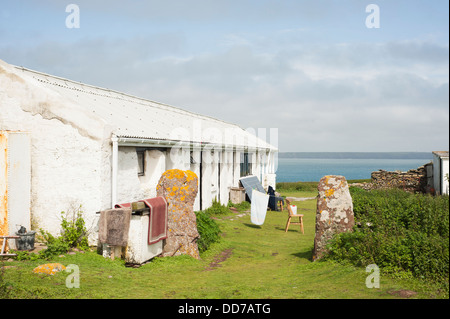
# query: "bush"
74 231
73 235
217 209
208 229
404 234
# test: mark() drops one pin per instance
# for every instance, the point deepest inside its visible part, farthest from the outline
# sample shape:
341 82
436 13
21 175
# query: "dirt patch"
219 258
234 210
230 217
403 293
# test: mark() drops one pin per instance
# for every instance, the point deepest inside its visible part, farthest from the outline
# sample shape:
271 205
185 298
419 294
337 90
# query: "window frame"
141 161
245 164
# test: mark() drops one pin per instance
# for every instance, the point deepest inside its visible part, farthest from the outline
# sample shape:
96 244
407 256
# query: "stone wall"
414 180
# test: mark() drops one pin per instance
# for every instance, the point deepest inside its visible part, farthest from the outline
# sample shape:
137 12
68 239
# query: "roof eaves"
442 154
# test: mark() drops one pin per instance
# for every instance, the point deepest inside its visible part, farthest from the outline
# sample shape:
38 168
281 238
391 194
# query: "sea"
311 167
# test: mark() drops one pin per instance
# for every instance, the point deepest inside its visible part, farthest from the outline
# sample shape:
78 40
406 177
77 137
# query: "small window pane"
141 161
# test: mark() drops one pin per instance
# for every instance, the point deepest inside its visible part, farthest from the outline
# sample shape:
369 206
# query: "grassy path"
250 262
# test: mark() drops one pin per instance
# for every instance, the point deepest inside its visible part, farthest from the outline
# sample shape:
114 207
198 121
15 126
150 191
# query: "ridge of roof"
133 126
154 103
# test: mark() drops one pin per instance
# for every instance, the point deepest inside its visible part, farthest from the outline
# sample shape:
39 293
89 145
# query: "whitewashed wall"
195 167
69 150
66 167
129 186
155 166
445 173
71 157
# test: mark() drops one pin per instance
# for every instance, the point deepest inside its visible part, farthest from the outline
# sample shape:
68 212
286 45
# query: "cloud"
321 96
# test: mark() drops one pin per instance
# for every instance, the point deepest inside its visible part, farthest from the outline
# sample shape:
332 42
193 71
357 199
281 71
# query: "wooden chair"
292 215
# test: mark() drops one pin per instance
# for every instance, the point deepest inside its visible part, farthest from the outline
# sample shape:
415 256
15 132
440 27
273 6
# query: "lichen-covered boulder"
49 269
334 212
179 188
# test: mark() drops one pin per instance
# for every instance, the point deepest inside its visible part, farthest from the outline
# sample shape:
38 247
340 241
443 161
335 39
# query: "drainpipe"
115 159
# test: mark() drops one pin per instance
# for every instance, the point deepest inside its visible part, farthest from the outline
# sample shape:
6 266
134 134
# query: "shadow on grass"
307 254
252 226
295 228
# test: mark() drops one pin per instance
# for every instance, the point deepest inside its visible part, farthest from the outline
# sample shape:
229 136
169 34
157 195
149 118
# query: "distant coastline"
311 167
358 155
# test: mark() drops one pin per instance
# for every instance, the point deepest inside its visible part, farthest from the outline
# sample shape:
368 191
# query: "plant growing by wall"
74 231
217 209
73 235
208 229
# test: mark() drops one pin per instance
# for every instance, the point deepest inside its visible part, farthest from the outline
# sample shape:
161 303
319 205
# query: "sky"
315 76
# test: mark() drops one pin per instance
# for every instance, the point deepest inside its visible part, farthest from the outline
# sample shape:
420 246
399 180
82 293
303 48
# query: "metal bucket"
26 240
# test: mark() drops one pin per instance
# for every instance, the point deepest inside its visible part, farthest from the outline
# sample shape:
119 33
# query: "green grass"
306 189
265 262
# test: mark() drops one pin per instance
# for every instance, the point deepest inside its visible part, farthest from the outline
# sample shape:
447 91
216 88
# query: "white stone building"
96 147
440 172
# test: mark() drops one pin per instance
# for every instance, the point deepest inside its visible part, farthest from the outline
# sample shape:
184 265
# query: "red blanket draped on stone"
157 224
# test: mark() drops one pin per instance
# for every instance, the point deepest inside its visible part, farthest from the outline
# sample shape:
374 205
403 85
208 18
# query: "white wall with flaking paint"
67 157
71 150
66 170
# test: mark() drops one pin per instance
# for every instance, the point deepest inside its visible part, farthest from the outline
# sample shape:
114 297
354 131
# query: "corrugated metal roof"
135 117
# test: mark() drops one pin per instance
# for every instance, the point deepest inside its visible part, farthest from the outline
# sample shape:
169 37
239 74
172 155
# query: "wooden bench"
5 239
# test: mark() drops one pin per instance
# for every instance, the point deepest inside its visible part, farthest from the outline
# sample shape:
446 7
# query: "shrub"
73 235
404 234
55 246
74 231
217 209
208 229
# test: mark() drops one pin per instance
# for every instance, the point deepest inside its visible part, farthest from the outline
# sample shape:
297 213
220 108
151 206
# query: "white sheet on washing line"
258 207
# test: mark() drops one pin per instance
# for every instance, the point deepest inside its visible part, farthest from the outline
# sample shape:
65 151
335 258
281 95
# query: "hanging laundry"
124 205
113 226
157 223
259 207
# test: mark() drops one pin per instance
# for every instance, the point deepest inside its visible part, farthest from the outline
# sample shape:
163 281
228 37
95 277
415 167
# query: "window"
246 165
141 162
192 159
141 151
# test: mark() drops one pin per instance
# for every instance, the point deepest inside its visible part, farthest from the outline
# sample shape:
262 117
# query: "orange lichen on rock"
173 173
49 269
190 175
329 192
